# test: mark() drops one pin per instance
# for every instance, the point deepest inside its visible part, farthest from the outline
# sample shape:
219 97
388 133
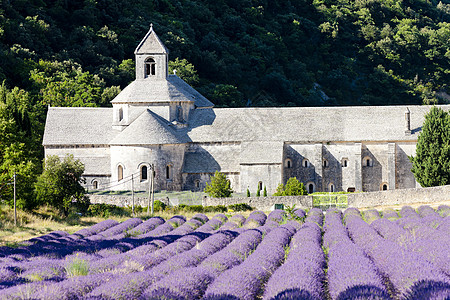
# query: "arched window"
144 173
344 163
310 188
168 172
260 185
331 188
305 163
120 114
150 67
367 162
325 163
119 172
95 184
384 187
197 184
288 163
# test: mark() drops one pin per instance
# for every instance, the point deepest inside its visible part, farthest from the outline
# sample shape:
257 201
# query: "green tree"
184 70
248 192
258 192
15 161
293 187
265 192
220 186
431 165
59 185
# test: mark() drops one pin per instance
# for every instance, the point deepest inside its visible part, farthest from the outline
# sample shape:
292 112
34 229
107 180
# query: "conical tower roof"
148 129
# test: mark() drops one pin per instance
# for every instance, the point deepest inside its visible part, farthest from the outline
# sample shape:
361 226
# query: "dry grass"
46 219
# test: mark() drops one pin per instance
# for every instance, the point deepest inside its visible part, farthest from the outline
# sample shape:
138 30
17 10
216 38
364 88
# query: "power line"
117 183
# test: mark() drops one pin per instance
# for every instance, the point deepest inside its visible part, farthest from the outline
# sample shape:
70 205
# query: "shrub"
106 210
159 206
219 187
293 187
240 207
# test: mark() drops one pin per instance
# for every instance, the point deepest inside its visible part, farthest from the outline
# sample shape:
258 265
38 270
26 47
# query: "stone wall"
400 197
262 203
358 200
122 201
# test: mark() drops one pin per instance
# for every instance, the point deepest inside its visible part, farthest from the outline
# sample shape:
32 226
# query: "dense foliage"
59 185
350 255
220 186
431 164
293 187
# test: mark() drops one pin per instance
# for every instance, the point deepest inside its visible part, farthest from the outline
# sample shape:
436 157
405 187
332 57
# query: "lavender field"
336 255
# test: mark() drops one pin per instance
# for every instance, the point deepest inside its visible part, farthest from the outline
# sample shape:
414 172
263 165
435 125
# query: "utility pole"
153 186
150 182
132 192
15 211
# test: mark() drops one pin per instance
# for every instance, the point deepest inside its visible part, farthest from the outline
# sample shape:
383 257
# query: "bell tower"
152 57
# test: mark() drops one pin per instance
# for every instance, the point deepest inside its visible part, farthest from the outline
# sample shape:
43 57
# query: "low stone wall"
122 201
358 200
263 203
400 197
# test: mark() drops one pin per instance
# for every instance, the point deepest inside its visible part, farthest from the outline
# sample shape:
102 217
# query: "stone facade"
416 196
160 121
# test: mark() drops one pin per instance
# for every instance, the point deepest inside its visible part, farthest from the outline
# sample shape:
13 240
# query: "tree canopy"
431 165
220 186
59 185
293 187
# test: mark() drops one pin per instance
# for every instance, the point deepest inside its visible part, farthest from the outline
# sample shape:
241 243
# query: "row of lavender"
396 256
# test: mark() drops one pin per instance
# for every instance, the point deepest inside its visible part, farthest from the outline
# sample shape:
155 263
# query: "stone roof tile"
152 90
306 124
78 126
149 129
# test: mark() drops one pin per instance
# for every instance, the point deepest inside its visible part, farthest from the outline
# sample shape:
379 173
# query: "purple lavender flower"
245 281
72 288
42 269
371 215
201 217
146 226
189 283
426 210
315 215
403 268
94 229
408 211
234 254
276 215
255 219
351 211
443 210
390 214
300 213
125 286
302 273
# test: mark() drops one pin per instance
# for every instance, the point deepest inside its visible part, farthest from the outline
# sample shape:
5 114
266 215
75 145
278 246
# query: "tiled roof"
78 126
306 124
148 129
151 44
161 90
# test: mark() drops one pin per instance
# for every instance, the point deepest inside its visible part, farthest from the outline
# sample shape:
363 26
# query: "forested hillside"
236 52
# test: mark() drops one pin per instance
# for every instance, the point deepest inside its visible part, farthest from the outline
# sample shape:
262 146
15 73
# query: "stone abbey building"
159 120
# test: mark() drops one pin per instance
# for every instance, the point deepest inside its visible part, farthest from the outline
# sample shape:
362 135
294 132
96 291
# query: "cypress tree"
265 192
248 192
258 192
431 165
